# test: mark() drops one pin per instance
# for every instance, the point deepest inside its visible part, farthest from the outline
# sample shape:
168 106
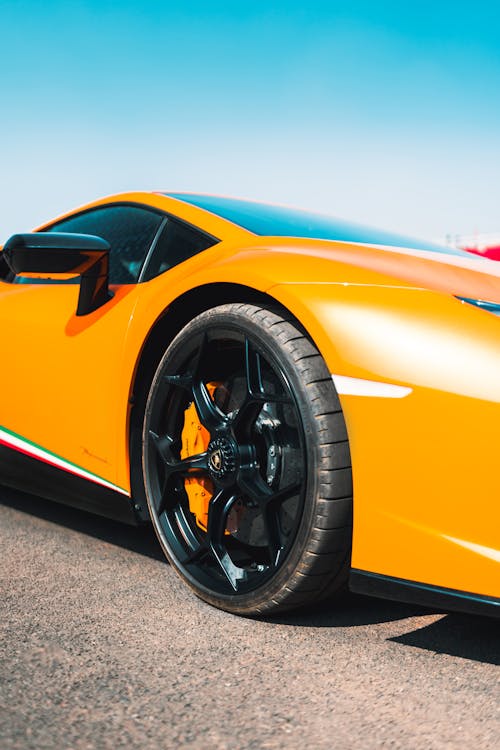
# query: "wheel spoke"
163 445
218 509
256 395
210 415
269 502
273 530
253 370
195 550
197 555
247 415
190 466
255 387
254 487
162 505
233 574
279 496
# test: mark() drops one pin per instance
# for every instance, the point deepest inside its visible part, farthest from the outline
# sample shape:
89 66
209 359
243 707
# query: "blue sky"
384 113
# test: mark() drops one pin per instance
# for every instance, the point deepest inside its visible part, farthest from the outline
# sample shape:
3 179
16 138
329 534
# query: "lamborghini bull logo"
216 460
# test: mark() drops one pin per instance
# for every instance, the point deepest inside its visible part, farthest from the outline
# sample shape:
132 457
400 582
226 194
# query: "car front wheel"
246 462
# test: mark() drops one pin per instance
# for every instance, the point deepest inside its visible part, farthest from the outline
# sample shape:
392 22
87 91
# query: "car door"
59 372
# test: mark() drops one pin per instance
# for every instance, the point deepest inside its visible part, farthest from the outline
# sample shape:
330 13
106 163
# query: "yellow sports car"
298 404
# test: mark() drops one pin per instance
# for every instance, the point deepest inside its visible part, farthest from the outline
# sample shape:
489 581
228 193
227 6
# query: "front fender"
424 452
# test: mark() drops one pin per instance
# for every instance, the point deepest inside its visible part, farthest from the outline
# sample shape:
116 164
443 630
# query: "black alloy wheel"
274 465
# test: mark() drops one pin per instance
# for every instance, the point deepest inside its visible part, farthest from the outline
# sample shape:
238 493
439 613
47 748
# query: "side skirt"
30 475
399 589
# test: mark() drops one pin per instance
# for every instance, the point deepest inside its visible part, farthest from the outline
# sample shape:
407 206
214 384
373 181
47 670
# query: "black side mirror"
56 252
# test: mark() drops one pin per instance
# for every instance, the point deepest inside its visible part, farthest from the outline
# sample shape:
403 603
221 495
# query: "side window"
129 230
177 242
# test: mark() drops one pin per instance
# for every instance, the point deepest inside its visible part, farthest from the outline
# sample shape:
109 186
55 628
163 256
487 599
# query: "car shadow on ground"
139 539
465 636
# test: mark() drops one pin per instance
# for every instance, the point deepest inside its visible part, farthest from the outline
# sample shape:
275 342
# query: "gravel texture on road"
103 647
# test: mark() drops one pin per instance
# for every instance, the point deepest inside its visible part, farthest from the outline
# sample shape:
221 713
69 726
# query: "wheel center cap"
216 460
222 456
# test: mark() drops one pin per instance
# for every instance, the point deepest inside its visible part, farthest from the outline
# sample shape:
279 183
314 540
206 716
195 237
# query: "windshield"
279 221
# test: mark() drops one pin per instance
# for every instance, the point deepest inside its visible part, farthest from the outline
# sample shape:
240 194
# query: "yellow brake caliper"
195 439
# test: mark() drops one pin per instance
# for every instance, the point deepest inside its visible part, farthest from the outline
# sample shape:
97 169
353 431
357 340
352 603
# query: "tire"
273 473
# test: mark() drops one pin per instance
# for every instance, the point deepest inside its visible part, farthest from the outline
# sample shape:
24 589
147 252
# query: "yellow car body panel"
424 457
425 462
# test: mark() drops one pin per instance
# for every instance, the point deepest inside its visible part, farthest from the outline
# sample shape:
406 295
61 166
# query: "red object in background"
492 252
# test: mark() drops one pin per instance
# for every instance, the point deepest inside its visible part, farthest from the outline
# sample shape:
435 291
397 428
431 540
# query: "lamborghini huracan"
298 404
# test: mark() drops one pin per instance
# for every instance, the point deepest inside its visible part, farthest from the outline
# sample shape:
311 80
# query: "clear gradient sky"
387 113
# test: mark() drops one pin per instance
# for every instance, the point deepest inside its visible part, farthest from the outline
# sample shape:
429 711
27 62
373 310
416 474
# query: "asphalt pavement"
103 647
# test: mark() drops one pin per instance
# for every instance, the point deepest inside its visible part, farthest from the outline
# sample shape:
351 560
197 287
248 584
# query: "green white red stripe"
22 445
